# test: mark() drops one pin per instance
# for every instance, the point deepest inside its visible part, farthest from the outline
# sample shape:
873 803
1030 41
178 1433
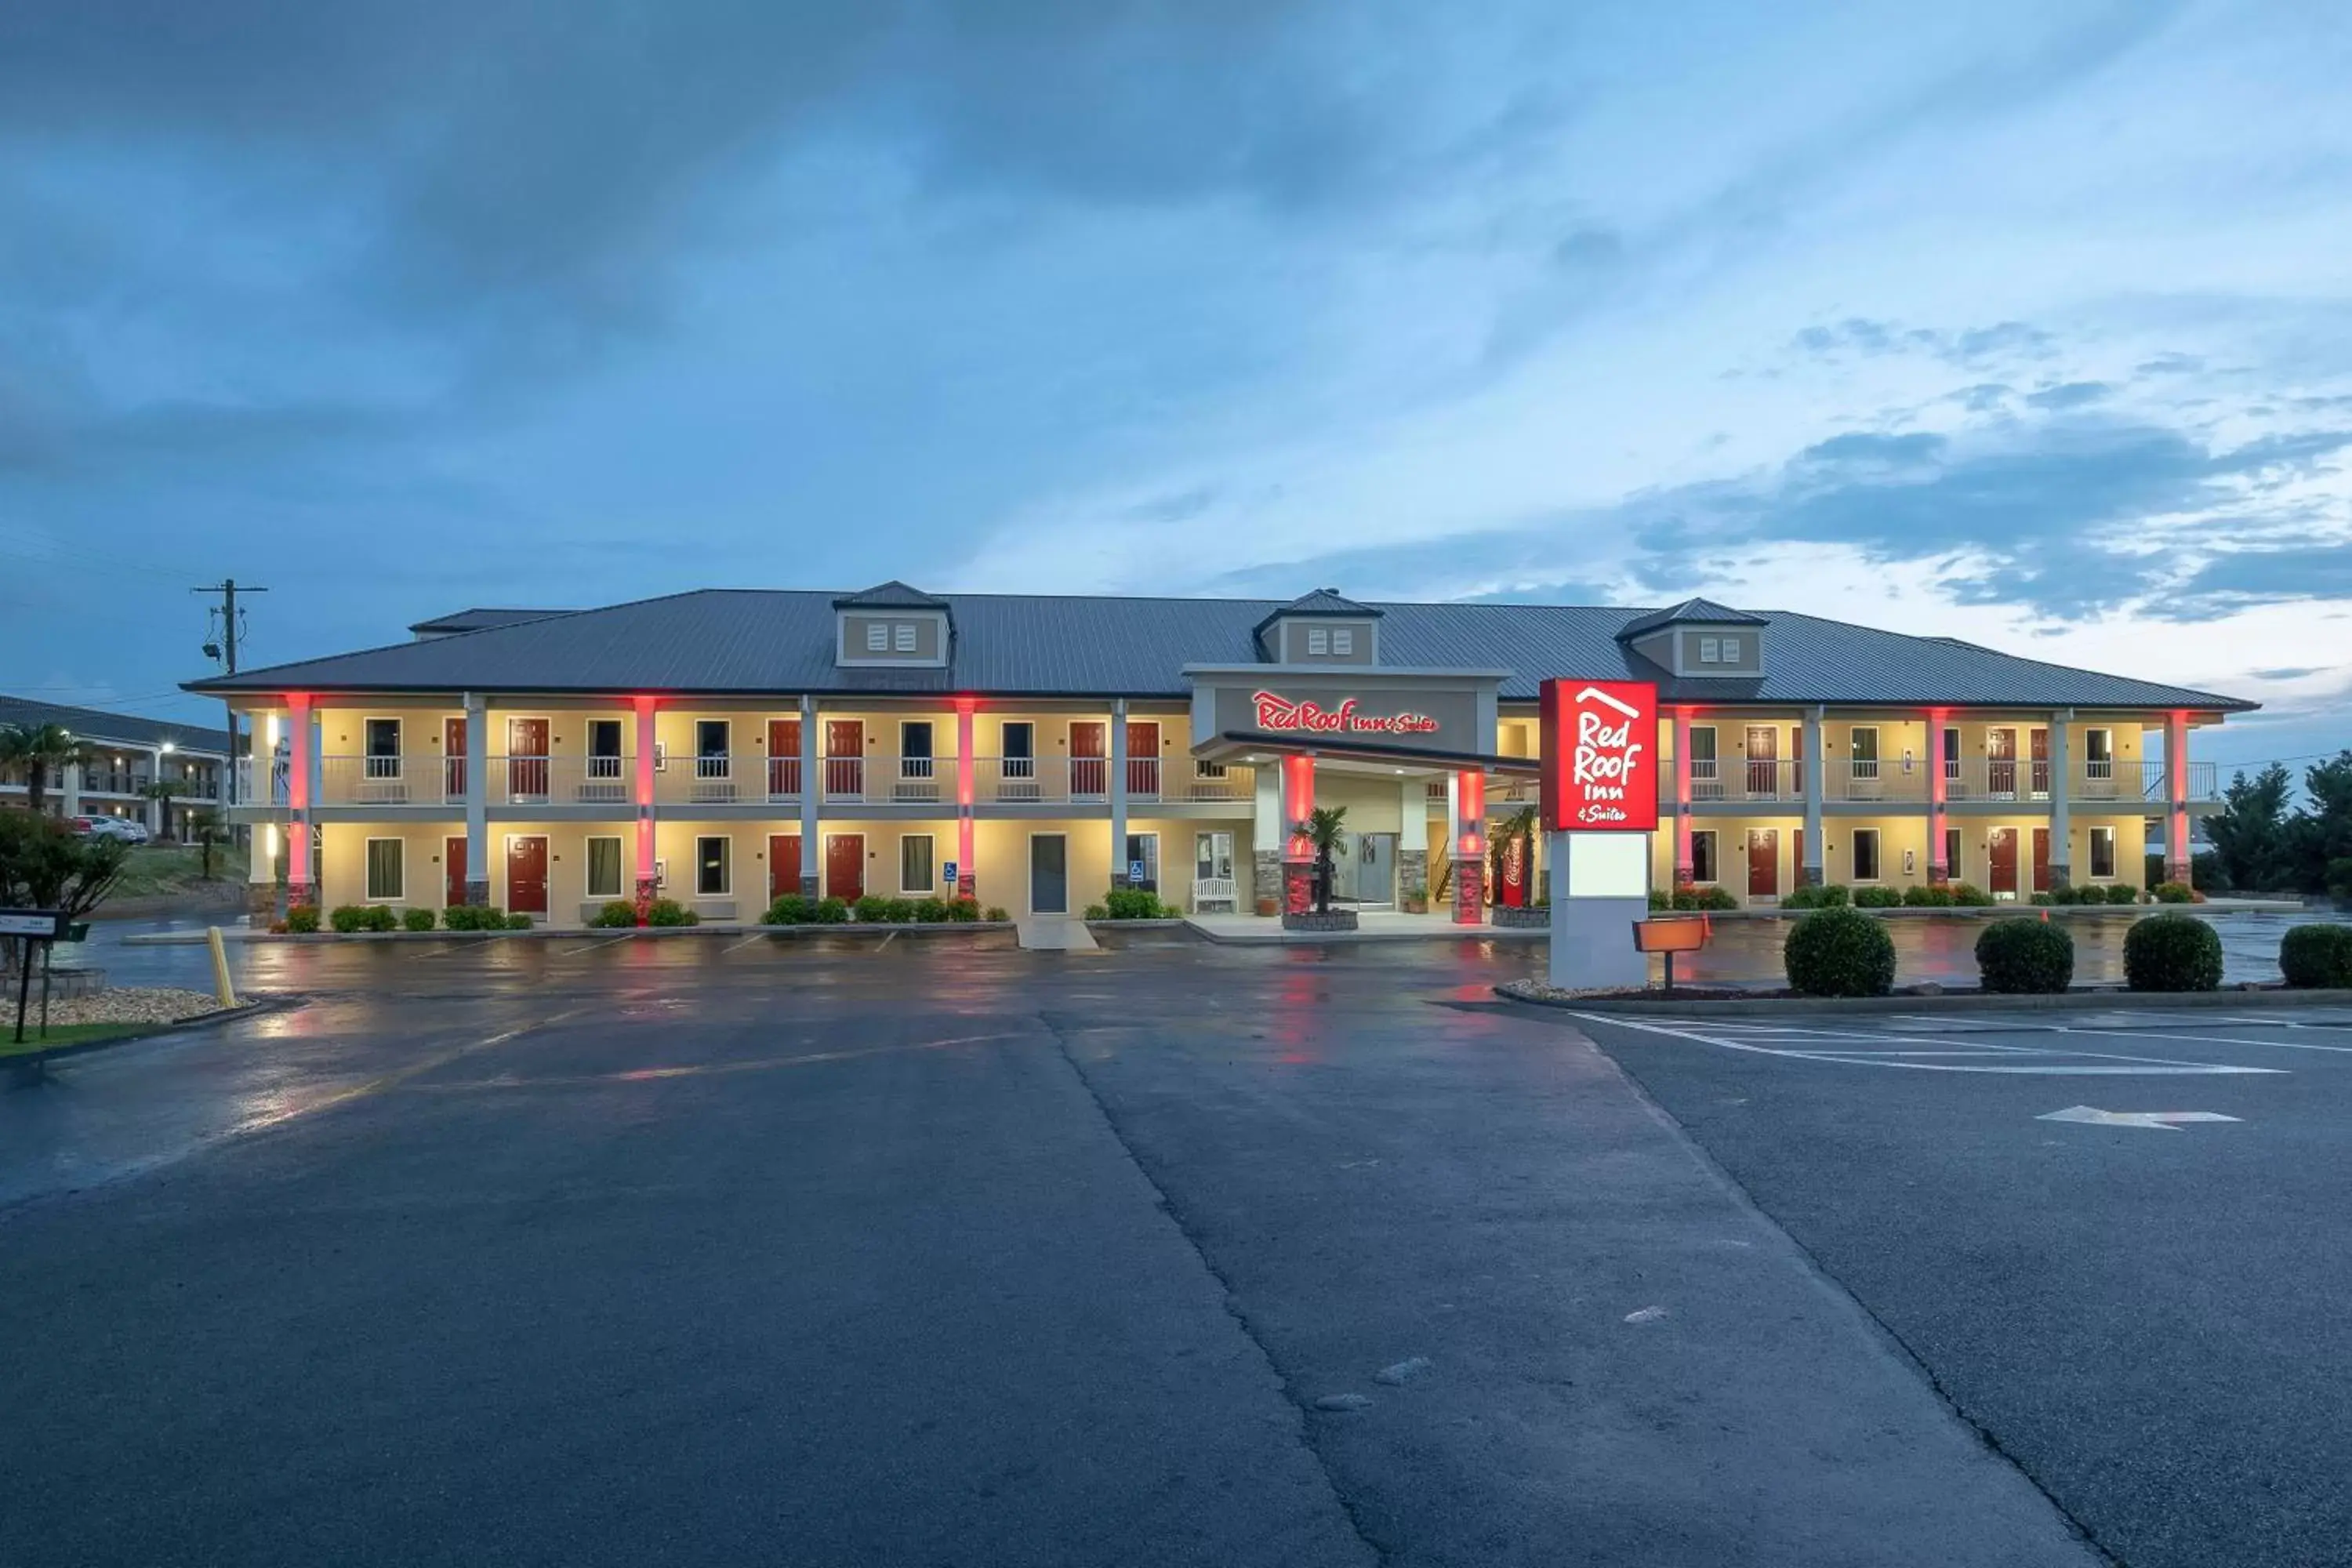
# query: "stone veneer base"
1337 920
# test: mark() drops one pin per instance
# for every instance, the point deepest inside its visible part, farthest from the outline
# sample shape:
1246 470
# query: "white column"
1118 793
69 789
811 794
2062 827
478 799
153 811
1809 875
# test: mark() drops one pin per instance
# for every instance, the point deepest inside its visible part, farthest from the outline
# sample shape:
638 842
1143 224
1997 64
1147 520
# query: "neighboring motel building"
724 746
126 754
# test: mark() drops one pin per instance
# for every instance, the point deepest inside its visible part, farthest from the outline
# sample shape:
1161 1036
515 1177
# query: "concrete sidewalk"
1372 926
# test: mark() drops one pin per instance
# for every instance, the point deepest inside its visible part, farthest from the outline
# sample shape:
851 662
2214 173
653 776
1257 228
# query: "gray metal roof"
481 620
1690 612
725 641
891 596
122 729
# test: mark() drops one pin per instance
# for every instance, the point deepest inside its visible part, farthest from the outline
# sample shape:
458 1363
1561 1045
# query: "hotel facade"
724 747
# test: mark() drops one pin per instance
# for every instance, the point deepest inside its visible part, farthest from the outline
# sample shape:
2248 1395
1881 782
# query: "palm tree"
164 789
206 825
1324 831
39 748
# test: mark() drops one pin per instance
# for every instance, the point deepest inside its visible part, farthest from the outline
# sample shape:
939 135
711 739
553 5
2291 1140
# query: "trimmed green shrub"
1927 896
2119 893
518 922
899 911
832 911
1875 897
2172 952
1968 895
1133 904
348 918
1839 952
417 920
2316 956
1661 900
873 909
791 909
619 912
670 913
474 917
1825 896
2174 894
301 918
2025 955
996 914
964 910
930 911
1096 912
2046 899
1706 898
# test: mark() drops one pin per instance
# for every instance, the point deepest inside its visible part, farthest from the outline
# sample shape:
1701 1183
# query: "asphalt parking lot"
2147 1314
722 1248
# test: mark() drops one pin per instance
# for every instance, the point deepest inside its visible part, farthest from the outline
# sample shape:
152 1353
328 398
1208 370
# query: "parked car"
128 829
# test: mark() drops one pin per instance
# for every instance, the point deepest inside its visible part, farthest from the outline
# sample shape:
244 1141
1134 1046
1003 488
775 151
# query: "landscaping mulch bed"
126 1004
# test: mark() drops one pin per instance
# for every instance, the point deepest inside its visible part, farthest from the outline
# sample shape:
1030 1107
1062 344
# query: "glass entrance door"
1363 869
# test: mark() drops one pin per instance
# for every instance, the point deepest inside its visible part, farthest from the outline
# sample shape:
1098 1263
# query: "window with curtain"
604 867
916 871
385 877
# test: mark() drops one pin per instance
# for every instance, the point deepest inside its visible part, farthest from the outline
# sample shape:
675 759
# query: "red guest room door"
2003 844
845 865
1763 862
527 874
783 865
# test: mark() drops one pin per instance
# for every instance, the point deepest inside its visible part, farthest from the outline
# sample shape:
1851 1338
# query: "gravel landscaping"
130 1004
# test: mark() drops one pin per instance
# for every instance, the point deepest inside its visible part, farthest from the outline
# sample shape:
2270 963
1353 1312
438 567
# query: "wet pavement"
2147 1314
724 1249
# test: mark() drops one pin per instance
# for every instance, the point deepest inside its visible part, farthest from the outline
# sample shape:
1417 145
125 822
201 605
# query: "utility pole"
224 649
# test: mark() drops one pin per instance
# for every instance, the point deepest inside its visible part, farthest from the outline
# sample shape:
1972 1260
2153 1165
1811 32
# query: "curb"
29 1066
1944 1002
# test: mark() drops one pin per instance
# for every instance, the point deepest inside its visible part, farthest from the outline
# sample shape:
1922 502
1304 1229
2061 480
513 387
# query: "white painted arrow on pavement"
2162 1121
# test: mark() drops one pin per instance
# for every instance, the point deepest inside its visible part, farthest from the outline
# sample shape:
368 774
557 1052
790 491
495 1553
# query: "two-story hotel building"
724 746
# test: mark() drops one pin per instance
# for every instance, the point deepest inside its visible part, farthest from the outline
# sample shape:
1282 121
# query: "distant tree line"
2262 845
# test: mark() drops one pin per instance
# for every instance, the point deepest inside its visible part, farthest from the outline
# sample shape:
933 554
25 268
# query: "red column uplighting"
644 707
1470 849
967 872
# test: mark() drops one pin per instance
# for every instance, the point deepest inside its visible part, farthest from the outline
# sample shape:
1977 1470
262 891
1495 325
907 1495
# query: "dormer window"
1319 628
1343 642
1319 640
893 625
1710 650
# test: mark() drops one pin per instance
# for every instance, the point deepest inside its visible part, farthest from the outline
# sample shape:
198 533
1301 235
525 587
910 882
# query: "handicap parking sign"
950 873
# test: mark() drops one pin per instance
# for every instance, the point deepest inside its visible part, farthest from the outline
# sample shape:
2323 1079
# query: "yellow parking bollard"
223 992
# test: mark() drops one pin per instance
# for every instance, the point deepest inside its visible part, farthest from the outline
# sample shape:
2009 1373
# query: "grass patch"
62 1034
157 870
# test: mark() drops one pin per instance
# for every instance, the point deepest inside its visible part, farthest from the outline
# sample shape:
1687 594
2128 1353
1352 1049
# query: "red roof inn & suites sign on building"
1600 753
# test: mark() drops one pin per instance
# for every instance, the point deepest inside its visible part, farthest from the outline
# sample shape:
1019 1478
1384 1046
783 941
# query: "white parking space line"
2079 1063
2289 1022
2218 1039
594 946
737 947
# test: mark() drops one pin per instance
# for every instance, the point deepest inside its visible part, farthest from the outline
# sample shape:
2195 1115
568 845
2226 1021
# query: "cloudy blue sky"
2029 323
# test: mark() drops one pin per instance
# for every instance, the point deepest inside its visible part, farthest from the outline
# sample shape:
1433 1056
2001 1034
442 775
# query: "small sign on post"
29 926
1671 934
948 873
